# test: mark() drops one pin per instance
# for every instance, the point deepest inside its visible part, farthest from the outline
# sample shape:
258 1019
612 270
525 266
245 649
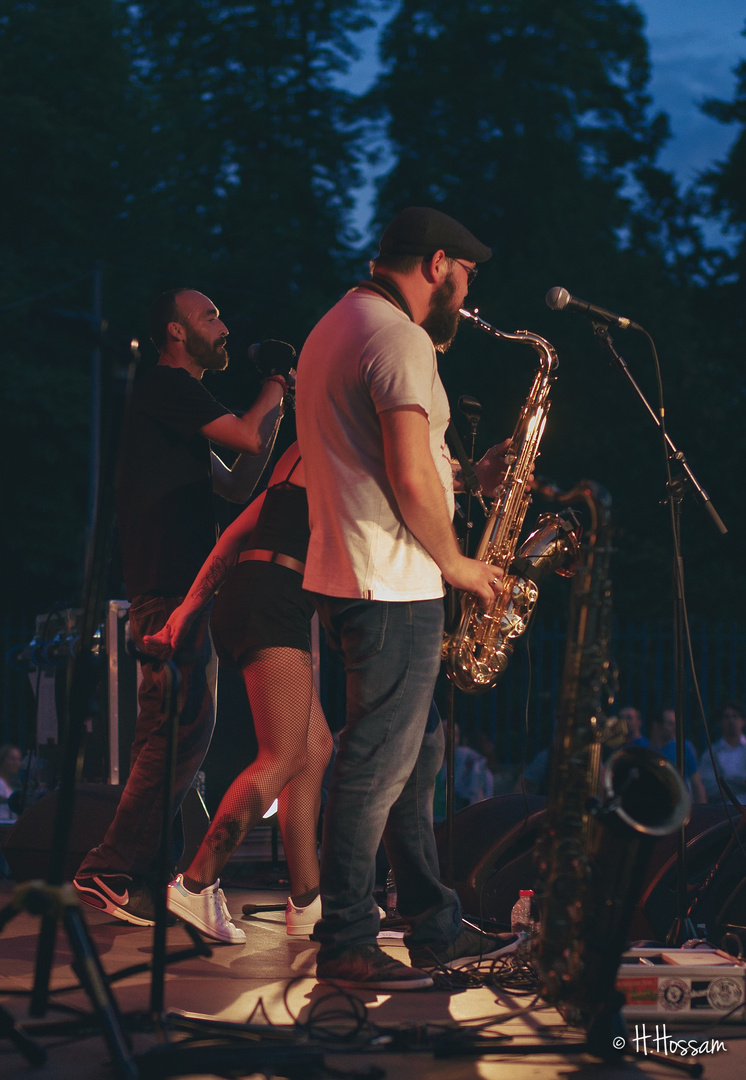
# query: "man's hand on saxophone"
491 468
482 581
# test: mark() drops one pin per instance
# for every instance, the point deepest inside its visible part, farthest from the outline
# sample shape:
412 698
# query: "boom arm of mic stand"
601 331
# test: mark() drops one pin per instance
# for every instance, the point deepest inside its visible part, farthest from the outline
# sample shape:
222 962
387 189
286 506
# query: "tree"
185 142
253 159
530 121
723 186
65 103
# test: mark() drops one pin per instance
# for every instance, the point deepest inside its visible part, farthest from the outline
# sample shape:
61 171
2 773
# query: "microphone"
558 299
472 410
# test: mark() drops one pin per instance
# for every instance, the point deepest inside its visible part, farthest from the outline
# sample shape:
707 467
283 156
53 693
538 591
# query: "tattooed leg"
280 691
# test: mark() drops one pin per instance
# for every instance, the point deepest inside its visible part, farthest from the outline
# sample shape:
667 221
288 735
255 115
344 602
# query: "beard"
211 356
442 321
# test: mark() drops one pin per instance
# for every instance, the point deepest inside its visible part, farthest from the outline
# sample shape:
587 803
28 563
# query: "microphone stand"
601 331
54 899
682 928
472 409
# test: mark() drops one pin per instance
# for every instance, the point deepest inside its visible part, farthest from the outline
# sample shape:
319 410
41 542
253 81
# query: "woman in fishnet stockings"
261 623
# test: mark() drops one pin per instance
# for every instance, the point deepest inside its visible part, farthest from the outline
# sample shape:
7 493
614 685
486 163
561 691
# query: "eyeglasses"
471 271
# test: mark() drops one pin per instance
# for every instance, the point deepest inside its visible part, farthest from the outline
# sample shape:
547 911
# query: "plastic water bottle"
523 917
391 897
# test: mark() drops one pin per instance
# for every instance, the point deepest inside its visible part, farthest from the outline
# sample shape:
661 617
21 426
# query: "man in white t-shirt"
371 420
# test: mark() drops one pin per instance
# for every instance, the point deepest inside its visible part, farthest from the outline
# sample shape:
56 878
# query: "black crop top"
283 521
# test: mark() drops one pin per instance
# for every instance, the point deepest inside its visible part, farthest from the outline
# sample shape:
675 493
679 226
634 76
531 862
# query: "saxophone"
595 844
477 652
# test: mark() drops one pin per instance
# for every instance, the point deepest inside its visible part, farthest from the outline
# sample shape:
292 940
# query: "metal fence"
517 715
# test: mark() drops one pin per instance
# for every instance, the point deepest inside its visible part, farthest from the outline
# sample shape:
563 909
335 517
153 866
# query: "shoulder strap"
295 466
286 479
386 288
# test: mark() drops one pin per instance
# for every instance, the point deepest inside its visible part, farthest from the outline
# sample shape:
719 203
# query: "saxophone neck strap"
386 288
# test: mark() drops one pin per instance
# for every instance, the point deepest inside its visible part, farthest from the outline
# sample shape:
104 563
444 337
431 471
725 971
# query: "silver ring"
496 581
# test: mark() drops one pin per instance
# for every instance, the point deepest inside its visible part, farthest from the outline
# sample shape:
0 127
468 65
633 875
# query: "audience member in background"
663 739
10 768
503 777
472 779
730 755
534 780
632 719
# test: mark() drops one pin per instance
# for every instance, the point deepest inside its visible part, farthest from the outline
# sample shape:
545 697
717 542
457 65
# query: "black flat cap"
421 230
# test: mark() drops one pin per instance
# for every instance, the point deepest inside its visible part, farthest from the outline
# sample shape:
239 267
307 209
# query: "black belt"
260 555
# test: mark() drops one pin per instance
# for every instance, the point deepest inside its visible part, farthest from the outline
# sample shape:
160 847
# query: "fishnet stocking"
294 749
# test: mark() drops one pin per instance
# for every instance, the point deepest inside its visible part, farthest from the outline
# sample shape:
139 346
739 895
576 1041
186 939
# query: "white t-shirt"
365 356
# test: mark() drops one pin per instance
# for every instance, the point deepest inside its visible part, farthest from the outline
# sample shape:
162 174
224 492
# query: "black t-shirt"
164 491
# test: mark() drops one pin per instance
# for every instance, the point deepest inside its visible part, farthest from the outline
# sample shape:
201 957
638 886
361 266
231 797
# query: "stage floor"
270 980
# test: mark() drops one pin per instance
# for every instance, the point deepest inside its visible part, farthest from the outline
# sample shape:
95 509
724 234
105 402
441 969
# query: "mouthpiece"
474 317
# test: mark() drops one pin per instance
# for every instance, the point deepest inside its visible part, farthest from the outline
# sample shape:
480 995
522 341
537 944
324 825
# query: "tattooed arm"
207 581
219 561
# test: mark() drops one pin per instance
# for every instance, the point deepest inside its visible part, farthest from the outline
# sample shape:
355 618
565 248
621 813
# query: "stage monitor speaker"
493 844
493 858
28 845
715 902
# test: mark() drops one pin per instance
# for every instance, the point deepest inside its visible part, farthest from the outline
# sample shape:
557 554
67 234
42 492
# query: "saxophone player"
371 418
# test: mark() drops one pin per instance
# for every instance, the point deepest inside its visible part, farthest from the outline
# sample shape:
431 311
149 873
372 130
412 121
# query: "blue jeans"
384 774
132 842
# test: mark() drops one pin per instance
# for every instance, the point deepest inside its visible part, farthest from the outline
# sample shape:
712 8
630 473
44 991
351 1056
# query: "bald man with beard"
167 476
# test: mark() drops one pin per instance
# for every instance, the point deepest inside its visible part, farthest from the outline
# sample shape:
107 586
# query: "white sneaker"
300 921
207 910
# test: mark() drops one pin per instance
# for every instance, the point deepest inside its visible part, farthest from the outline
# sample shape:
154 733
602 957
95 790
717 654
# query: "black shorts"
260 605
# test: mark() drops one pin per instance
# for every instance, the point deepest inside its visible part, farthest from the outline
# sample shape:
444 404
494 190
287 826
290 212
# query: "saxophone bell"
593 852
645 791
